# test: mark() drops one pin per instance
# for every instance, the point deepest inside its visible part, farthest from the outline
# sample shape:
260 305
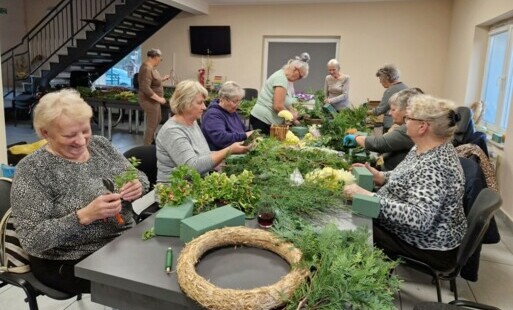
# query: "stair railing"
55 31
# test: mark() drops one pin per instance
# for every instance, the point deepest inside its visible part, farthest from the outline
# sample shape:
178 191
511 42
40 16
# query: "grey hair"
334 62
230 90
389 73
400 99
439 112
154 52
300 62
184 95
64 102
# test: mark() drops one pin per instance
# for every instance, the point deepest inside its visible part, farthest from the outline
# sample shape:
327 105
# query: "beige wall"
12 25
414 35
3 143
465 66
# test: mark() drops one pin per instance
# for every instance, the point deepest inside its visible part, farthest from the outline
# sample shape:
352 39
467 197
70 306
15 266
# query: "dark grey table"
128 273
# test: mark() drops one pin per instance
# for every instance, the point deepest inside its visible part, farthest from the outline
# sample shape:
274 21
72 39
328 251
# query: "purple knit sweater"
221 128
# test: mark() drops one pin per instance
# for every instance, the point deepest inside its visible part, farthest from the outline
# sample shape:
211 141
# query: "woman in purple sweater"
221 125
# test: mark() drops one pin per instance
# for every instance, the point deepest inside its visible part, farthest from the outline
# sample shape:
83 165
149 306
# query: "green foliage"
130 173
335 129
272 160
183 183
148 234
246 106
346 271
111 93
236 190
207 193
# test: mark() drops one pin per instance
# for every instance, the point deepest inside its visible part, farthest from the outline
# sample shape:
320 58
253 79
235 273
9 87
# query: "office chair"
478 220
26 281
147 154
250 93
27 100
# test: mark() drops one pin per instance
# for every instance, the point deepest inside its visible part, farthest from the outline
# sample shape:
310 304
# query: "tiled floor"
494 286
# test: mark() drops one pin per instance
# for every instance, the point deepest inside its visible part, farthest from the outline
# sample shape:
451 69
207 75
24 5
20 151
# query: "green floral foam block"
168 219
194 226
363 178
366 205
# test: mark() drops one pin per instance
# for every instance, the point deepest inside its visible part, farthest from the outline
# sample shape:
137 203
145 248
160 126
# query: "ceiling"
238 2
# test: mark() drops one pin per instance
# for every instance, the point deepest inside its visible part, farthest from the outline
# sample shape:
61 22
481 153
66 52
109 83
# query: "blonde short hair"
439 112
400 99
64 102
184 95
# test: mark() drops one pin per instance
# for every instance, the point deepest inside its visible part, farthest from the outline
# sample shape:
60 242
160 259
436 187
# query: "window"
497 92
122 73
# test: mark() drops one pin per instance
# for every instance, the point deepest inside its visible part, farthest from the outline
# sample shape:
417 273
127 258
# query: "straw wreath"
212 297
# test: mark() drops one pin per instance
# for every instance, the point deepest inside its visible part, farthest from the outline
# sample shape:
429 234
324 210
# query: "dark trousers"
392 246
59 274
258 124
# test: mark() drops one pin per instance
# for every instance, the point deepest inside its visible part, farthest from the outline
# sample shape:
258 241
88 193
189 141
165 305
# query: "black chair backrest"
478 220
464 127
250 93
135 81
148 156
5 193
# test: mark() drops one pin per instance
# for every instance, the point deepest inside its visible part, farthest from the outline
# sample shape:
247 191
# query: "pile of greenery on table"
246 106
209 192
342 122
111 93
346 271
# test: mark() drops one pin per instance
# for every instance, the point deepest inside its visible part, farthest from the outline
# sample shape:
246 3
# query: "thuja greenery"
347 272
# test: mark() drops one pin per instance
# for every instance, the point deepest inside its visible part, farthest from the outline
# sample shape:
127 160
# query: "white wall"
464 71
12 25
414 35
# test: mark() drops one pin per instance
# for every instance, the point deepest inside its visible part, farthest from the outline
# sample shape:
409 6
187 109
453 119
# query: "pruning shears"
109 185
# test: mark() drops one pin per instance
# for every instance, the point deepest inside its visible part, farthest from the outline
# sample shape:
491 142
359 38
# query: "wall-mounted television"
210 40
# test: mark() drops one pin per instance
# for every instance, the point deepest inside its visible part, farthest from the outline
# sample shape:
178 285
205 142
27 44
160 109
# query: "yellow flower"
286 115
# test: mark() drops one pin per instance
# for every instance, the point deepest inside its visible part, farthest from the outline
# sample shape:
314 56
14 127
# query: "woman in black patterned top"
421 199
62 210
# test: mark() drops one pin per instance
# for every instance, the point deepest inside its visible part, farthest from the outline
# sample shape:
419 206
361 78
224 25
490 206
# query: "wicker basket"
279 132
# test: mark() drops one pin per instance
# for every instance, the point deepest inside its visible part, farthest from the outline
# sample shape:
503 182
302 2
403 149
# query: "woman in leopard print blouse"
421 199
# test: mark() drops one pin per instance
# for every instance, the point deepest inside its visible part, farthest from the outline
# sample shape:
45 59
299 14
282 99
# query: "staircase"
85 35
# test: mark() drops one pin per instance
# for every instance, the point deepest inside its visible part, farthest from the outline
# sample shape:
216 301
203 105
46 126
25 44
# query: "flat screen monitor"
210 40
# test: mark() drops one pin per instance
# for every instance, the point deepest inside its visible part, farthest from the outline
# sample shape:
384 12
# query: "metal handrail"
56 30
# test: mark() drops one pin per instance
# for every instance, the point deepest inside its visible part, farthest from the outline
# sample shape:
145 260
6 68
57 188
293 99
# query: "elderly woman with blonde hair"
421 212
336 86
221 124
180 140
276 94
63 211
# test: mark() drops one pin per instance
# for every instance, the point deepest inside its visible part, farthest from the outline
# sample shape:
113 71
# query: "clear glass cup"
265 216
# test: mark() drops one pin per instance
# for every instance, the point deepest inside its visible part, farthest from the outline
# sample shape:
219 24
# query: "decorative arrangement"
212 297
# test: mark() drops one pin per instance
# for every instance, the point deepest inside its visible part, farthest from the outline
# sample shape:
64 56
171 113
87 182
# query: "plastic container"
8 171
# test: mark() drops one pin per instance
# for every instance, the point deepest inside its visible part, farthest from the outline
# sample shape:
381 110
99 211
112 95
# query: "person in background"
62 210
421 200
221 125
151 93
389 78
336 86
276 94
180 140
395 144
